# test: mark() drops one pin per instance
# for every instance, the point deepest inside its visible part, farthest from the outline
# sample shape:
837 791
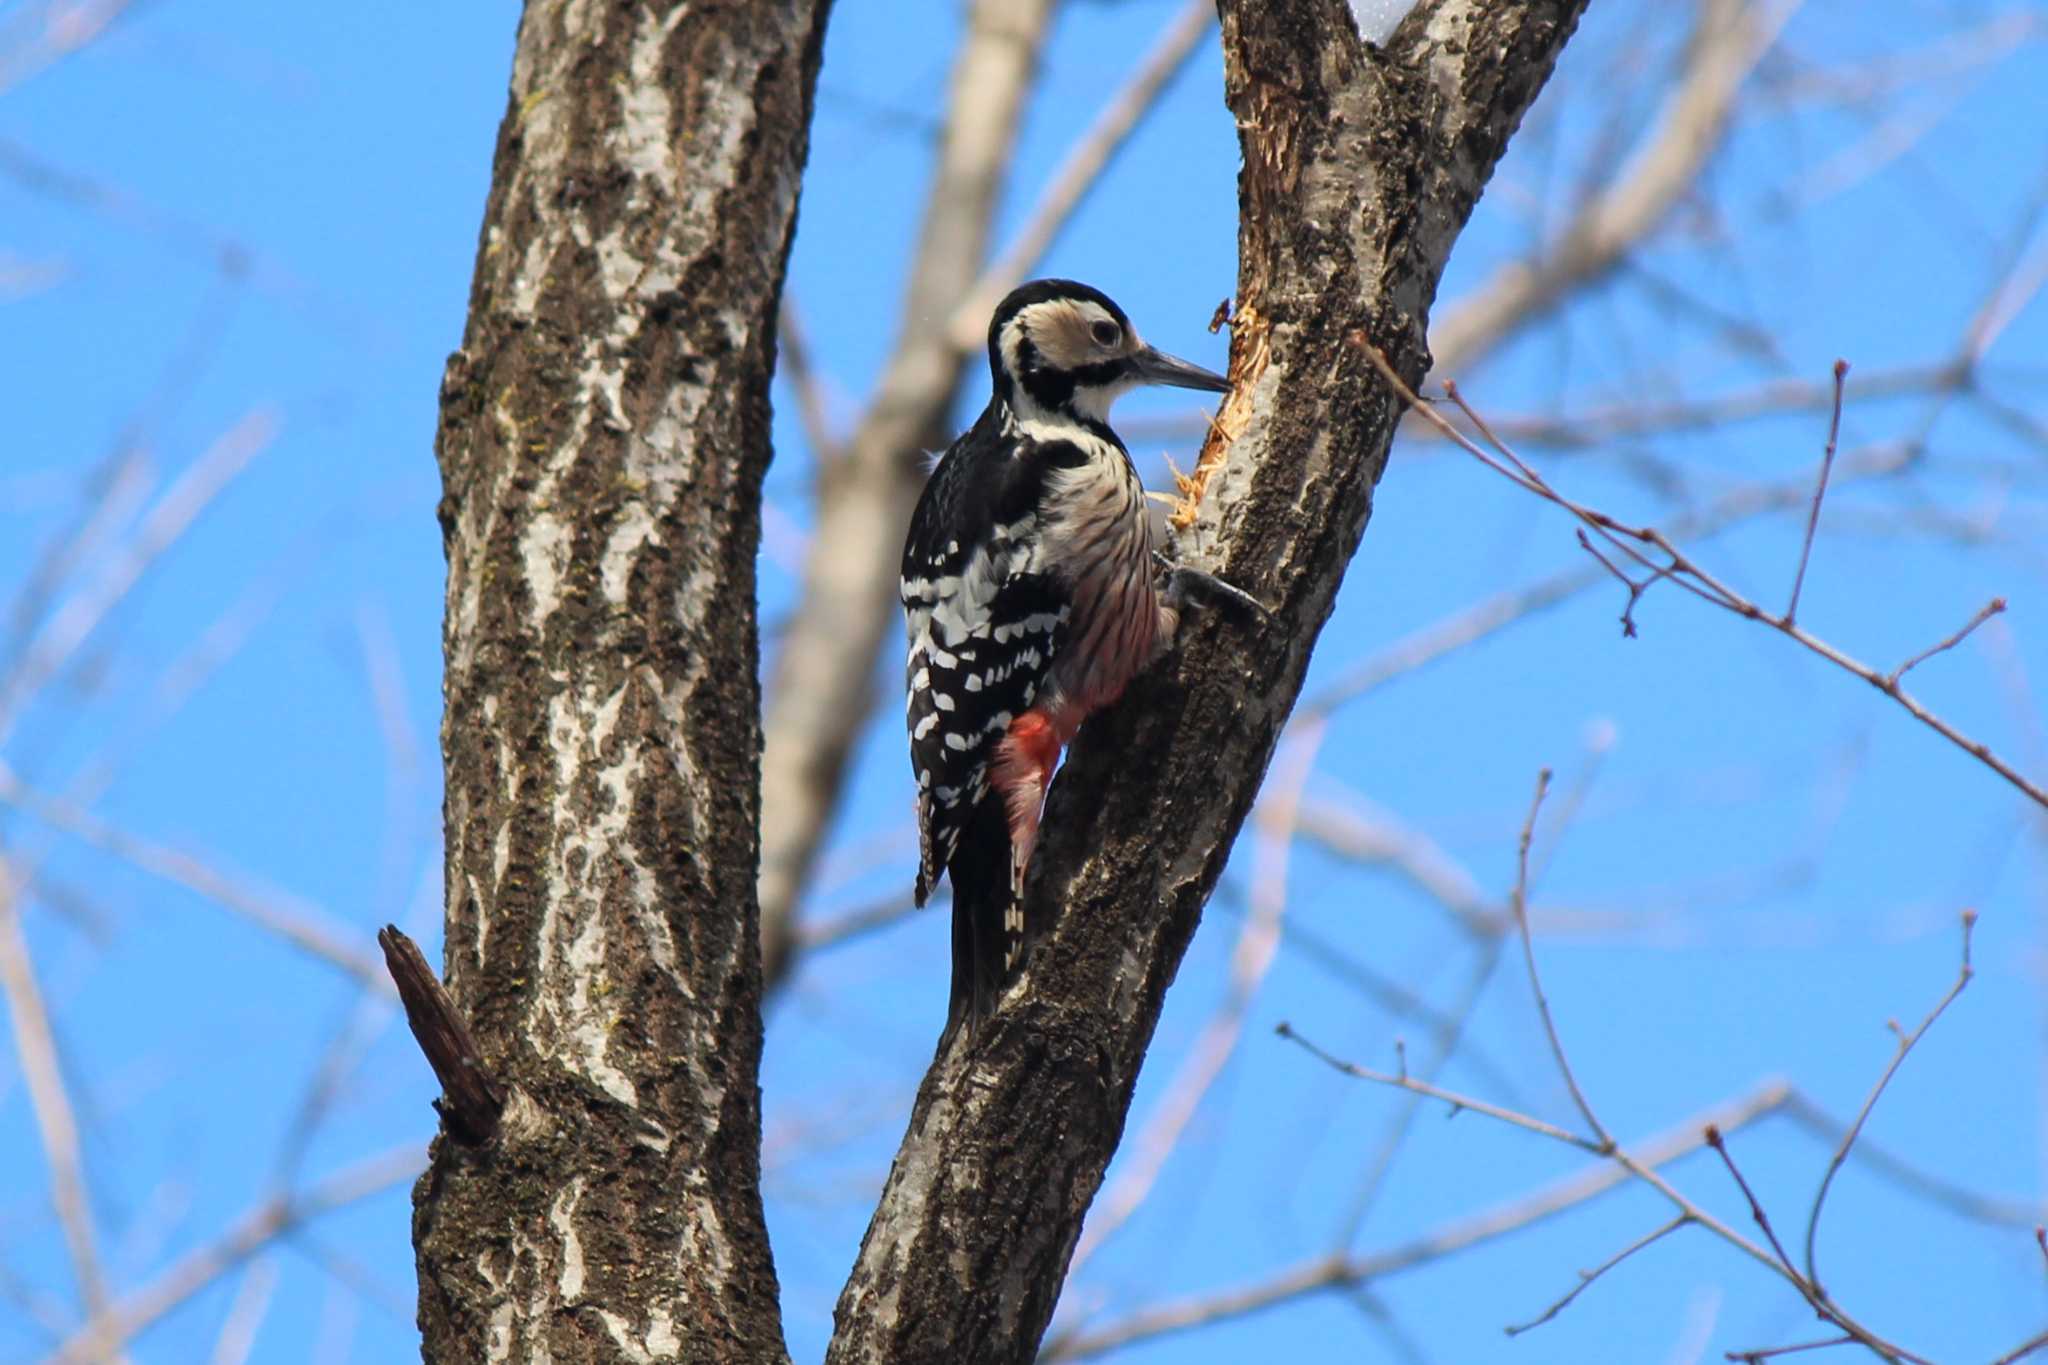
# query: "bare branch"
180 505
245 1315
1085 162
858 922
1586 1277
1906 1043
1728 38
1520 905
1797 1348
1984 613
1689 575
298 923
1483 618
471 1101
36 1048
1437 1092
1827 464
794 355
1757 1215
260 1227
1324 1273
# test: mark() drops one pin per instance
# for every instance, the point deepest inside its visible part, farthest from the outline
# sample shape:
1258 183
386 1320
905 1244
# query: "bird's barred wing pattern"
967 683
984 625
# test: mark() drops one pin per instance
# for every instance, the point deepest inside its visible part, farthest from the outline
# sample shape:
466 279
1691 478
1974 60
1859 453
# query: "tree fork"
604 432
1361 165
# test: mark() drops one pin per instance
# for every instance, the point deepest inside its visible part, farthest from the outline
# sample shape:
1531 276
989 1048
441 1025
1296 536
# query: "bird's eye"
1106 333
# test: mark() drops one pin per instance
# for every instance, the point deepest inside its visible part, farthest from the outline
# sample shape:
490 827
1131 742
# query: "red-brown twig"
1756 1208
1457 1101
1687 574
2023 1350
1635 589
1586 1277
1519 903
1339 1270
1906 1043
1757 1357
1820 490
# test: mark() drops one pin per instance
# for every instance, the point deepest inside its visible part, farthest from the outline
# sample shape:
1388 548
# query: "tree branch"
604 433
1360 165
1728 38
36 1048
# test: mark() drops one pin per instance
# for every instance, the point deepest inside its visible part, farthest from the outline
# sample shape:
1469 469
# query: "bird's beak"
1154 366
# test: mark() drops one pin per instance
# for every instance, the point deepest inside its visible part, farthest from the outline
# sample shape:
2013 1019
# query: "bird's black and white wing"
984 620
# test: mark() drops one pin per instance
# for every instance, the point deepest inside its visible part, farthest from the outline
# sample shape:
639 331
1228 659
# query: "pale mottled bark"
604 432
1361 167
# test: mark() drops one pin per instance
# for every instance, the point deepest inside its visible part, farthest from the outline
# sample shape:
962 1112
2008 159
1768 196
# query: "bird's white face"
1076 337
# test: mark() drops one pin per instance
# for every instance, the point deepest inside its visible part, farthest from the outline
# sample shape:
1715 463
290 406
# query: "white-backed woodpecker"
1032 593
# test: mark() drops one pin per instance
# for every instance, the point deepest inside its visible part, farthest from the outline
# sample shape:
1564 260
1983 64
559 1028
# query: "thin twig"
1756 1208
1689 575
1322 1274
1635 589
1519 903
1984 613
1906 1043
1808 1289
2023 1350
1480 620
1586 1277
296 922
1085 162
74 622
1957 1199
260 1227
794 361
1437 1092
1758 1356
1820 490
36 1048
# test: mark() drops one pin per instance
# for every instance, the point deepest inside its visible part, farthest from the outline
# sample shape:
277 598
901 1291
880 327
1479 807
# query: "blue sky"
225 213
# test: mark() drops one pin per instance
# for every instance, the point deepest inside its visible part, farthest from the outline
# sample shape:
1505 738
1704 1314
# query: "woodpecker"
1032 594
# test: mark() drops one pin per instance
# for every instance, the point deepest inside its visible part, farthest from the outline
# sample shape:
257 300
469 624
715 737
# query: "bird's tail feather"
987 944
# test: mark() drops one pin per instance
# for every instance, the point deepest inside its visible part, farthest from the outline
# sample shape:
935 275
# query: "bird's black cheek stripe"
1097 375
1050 389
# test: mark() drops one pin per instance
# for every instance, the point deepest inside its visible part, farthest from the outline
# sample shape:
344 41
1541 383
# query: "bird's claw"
1185 584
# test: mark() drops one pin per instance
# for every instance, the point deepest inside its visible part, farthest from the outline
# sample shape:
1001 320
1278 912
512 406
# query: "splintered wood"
1248 357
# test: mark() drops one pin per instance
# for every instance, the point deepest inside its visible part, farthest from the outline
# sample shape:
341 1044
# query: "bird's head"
1059 348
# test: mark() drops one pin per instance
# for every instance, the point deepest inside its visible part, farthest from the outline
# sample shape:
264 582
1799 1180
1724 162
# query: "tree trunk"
1361 165
604 432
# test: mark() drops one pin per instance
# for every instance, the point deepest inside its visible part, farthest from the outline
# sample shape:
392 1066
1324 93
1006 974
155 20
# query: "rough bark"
604 432
1361 165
